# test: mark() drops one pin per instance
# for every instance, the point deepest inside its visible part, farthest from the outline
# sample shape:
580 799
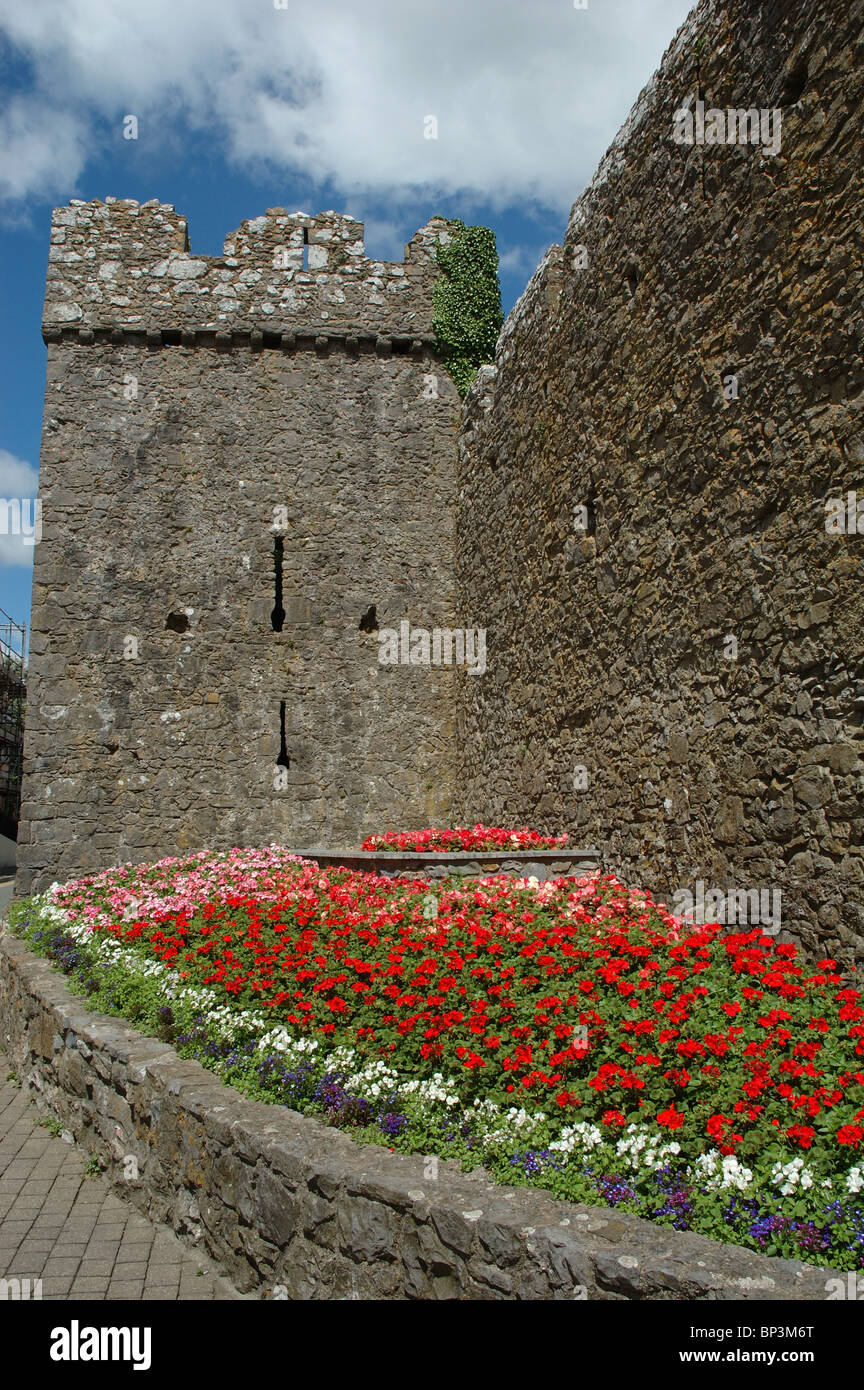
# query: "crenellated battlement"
244 456
125 267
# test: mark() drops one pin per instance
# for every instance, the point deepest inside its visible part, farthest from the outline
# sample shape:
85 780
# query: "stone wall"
296 1209
188 398
123 265
540 864
687 369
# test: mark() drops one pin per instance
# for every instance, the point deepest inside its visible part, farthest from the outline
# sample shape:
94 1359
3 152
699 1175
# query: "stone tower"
247 461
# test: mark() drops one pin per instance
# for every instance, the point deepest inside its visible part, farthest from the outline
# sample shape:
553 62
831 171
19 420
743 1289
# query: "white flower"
735 1174
581 1135
639 1149
789 1176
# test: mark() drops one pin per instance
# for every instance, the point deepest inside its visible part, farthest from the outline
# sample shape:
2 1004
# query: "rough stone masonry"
296 1209
227 439
675 661
678 667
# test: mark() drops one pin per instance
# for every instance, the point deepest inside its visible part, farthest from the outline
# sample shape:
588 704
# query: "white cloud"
521 259
42 149
19 480
527 96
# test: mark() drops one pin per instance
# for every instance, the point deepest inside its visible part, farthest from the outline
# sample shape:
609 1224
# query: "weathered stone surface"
686 371
273 1210
126 266
165 456
280 1199
367 1230
542 864
692 378
208 391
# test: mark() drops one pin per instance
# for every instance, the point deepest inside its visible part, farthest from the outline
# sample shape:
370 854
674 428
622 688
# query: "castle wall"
187 399
704 516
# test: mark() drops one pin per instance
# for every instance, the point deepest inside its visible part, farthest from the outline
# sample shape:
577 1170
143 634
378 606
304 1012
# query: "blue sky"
243 106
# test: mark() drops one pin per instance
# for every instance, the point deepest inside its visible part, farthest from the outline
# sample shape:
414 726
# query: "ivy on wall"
466 299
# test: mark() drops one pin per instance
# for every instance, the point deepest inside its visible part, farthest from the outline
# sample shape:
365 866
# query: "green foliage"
467 315
794 1223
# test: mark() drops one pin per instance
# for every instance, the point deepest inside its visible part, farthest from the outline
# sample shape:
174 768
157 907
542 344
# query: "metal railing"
13 697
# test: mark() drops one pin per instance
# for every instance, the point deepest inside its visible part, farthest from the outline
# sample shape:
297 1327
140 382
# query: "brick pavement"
73 1231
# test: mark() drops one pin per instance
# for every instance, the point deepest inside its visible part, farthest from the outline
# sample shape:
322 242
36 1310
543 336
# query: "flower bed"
481 837
573 1035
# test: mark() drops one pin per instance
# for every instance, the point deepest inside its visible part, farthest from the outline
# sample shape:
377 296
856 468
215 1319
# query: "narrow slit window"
369 620
277 617
305 248
283 760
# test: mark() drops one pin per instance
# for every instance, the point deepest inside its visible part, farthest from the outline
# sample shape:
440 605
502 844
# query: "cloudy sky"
307 104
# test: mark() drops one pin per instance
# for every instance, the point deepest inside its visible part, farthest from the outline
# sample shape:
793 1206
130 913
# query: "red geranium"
612 1117
581 989
802 1135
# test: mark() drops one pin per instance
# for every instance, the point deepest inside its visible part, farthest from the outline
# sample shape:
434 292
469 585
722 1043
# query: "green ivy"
466 298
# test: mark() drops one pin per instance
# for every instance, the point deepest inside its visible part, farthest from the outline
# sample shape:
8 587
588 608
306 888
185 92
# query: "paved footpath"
72 1231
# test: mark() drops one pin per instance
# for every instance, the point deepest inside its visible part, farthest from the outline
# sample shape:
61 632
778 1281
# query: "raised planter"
542 864
296 1209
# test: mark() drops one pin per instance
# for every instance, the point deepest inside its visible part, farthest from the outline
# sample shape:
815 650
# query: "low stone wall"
298 1210
540 864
